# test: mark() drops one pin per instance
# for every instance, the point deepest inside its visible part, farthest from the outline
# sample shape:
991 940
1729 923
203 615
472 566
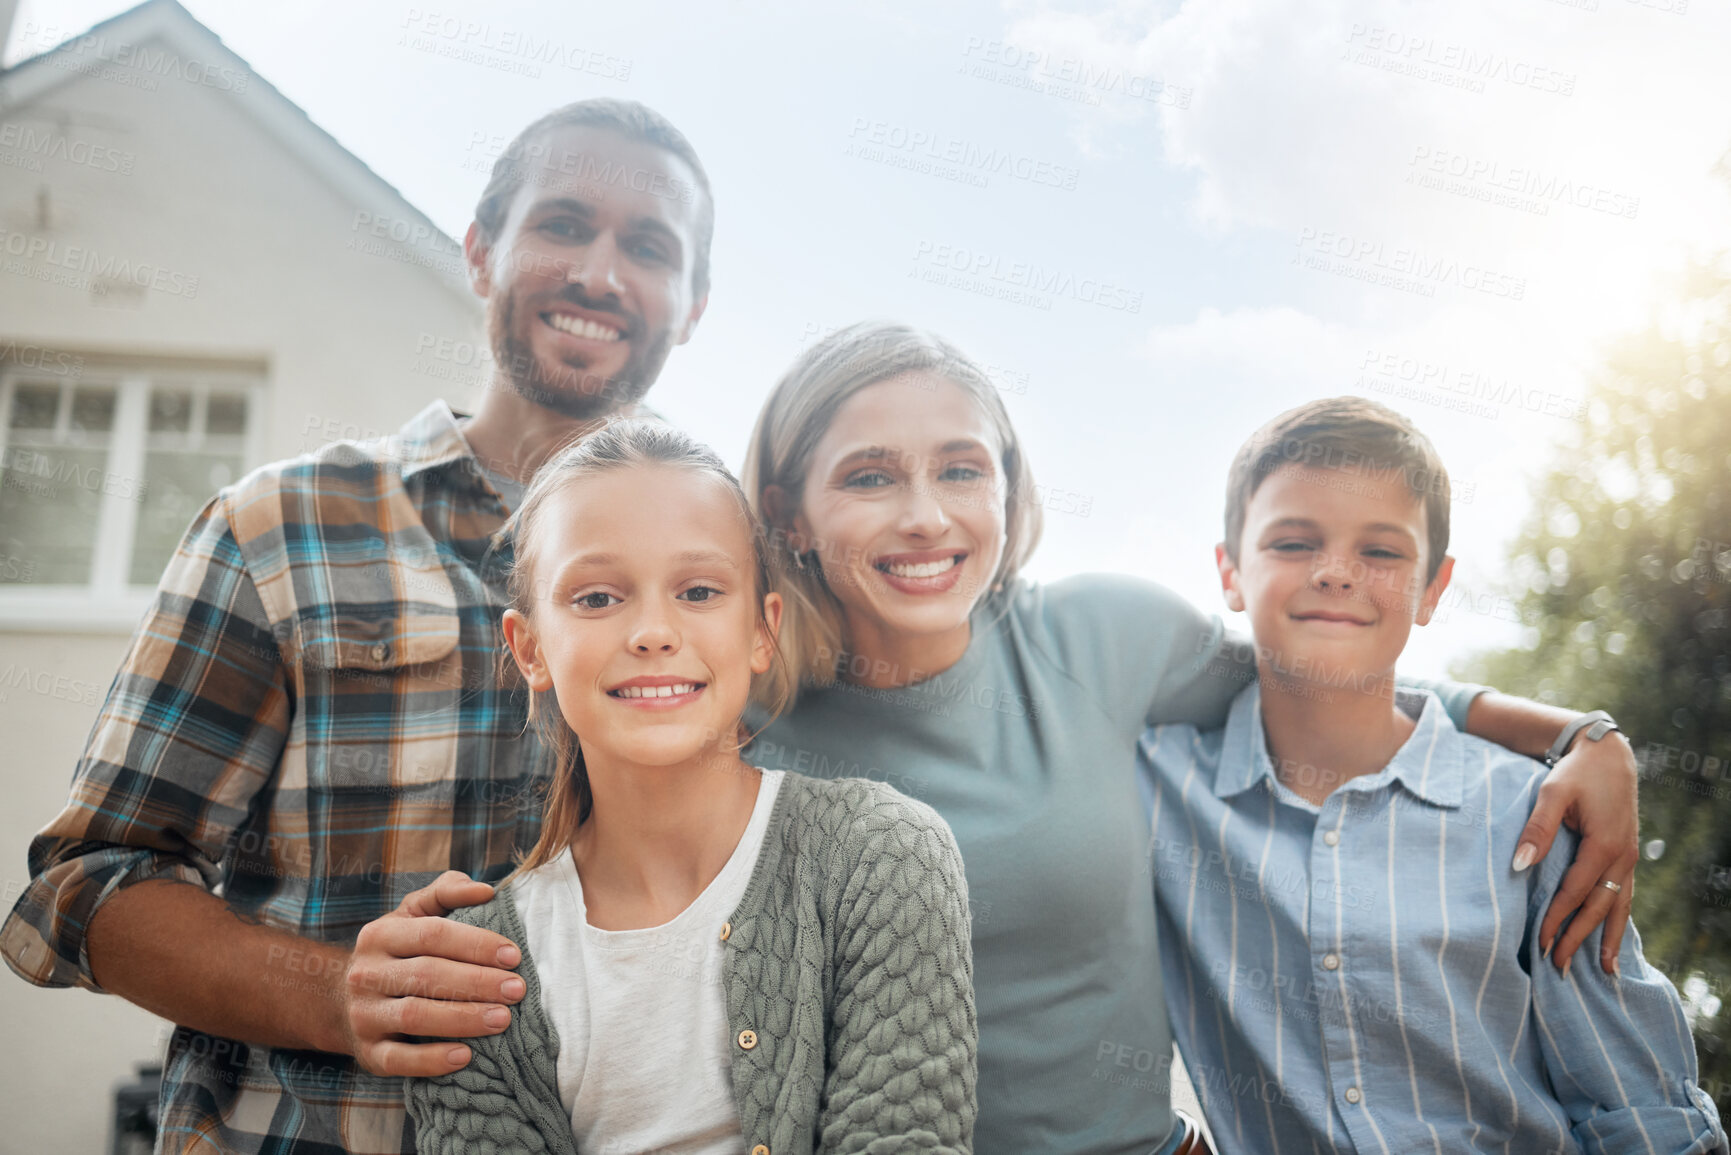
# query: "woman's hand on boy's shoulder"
1594 789
415 972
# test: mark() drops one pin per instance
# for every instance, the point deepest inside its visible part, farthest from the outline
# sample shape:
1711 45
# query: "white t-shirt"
644 1046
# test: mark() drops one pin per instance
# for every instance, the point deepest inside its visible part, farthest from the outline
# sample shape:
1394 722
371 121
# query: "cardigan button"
747 1039
726 929
760 1149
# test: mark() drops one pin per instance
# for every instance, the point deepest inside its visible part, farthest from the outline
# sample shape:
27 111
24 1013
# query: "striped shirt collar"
1426 764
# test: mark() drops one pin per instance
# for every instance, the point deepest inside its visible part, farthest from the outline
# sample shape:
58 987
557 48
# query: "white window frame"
109 603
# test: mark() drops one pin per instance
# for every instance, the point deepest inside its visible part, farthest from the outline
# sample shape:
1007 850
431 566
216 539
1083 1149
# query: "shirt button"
726 929
1331 838
747 1039
381 651
1331 962
1352 1095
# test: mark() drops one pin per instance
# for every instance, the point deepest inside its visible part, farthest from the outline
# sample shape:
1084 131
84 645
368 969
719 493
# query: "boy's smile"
1332 571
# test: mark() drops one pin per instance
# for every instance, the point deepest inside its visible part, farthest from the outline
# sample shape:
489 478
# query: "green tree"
1624 572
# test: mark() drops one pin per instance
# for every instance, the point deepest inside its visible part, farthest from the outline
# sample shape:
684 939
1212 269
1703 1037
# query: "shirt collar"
1428 764
431 439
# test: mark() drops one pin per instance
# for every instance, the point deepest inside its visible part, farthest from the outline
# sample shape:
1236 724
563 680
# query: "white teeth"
923 570
655 691
579 327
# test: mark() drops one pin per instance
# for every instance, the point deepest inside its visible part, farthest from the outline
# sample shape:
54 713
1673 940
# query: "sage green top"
849 989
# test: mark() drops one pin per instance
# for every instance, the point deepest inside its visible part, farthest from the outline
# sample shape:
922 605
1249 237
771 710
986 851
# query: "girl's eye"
594 601
701 594
872 479
962 473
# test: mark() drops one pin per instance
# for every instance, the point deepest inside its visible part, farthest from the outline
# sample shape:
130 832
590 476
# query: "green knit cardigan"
849 961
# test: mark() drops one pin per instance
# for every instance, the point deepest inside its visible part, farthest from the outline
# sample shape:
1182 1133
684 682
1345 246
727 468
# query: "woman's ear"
784 520
1228 579
763 647
525 651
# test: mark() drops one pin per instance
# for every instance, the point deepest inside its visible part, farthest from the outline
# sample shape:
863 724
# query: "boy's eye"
869 479
701 594
1291 546
597 600
1382 553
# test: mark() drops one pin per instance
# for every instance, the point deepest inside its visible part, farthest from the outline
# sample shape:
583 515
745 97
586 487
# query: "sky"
1157 224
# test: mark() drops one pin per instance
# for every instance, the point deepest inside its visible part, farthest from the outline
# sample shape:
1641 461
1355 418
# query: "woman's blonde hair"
618 445
799 411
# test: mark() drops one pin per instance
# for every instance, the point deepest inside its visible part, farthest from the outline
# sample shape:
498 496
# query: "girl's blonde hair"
799 411
618 445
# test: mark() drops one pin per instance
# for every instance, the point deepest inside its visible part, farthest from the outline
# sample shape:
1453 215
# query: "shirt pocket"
376 672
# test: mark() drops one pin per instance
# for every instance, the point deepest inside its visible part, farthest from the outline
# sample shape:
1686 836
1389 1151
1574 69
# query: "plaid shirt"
311 716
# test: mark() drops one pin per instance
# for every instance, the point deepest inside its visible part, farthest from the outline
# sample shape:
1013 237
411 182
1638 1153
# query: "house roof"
166 20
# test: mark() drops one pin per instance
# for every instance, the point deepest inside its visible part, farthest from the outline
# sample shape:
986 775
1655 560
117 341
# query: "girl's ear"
763 646
1228 579
525 651
786 521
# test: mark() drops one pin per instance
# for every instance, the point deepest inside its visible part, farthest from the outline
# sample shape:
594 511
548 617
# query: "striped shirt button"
1352 1095
1331 961
1331 838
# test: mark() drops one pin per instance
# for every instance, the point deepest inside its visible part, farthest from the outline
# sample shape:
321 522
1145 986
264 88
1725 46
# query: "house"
194 279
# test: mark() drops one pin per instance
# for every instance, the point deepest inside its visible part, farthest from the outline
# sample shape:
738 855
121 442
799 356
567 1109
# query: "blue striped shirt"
1363 975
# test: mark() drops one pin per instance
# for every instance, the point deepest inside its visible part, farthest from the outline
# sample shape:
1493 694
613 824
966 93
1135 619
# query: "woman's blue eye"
593 602
876 479
962 473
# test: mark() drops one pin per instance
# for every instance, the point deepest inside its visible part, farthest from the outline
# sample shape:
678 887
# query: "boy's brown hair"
1353 435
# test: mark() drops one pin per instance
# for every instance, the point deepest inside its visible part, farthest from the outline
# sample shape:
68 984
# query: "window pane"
93 410
176 486
225 415
49 499
170 410
34 406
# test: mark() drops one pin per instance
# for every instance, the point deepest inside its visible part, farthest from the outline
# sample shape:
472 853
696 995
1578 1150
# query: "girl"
718 958
886 466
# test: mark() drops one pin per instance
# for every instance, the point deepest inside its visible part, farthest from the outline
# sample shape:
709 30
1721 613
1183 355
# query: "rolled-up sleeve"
193 727
1618 1051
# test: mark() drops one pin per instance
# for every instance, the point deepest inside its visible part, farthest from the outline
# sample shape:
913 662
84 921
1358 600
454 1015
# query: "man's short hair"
1354 435
629 119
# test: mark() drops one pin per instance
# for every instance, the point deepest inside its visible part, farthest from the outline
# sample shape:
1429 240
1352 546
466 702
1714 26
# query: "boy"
1350 961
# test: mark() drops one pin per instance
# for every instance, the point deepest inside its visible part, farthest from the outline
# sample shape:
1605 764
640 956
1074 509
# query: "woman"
886 470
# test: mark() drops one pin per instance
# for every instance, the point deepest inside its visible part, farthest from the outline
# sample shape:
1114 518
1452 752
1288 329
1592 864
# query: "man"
311 714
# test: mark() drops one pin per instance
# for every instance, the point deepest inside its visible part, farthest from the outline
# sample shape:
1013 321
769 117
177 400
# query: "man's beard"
566 390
